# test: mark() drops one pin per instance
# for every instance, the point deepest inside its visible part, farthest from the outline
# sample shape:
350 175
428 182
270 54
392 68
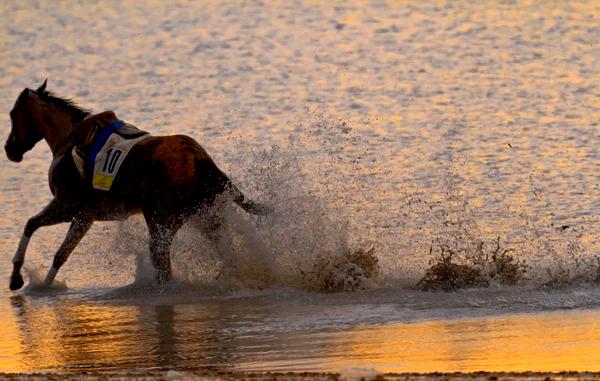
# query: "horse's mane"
67 104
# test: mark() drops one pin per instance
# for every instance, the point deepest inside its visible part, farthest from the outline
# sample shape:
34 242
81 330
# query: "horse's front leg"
54 213
79 226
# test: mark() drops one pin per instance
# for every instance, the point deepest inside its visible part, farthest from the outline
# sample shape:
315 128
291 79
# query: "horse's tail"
246 204
226 185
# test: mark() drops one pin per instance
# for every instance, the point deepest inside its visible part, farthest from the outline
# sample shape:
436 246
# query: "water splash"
309 225
36 283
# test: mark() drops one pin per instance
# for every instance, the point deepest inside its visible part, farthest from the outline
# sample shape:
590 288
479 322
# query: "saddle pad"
109 159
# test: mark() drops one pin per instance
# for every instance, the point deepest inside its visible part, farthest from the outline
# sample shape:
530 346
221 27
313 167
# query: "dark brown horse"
167 178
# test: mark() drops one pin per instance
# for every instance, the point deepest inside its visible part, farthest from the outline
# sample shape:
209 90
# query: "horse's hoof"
16 282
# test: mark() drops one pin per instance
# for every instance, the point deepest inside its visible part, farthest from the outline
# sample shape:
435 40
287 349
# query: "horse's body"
167 178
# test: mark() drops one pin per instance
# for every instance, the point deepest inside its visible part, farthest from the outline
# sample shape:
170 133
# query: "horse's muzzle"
13 153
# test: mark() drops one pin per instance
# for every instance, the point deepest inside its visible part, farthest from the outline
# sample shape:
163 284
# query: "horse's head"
25 117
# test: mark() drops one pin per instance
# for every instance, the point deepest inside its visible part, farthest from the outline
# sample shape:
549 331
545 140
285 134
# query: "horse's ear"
42 88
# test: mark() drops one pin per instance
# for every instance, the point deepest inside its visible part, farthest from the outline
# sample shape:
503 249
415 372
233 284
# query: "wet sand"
172 375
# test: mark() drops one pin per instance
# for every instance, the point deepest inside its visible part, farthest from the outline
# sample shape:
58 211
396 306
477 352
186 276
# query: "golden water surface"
398 125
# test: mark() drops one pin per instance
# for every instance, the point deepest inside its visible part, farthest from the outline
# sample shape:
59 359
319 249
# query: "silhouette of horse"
166 178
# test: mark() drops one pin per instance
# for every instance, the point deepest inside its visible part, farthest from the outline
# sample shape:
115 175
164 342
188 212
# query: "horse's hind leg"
161 237
210 220
54 213
76 232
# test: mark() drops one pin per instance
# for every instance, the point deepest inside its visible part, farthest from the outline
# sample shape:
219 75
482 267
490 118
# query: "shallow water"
288 330
398 126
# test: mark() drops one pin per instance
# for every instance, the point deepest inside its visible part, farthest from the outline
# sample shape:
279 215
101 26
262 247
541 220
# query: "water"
401 127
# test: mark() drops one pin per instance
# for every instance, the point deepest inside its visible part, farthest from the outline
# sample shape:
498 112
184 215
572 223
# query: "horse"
166 178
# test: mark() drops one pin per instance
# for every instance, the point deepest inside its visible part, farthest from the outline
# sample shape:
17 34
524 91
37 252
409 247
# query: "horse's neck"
58 133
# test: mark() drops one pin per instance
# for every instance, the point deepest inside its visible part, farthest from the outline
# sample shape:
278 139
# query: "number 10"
111 160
